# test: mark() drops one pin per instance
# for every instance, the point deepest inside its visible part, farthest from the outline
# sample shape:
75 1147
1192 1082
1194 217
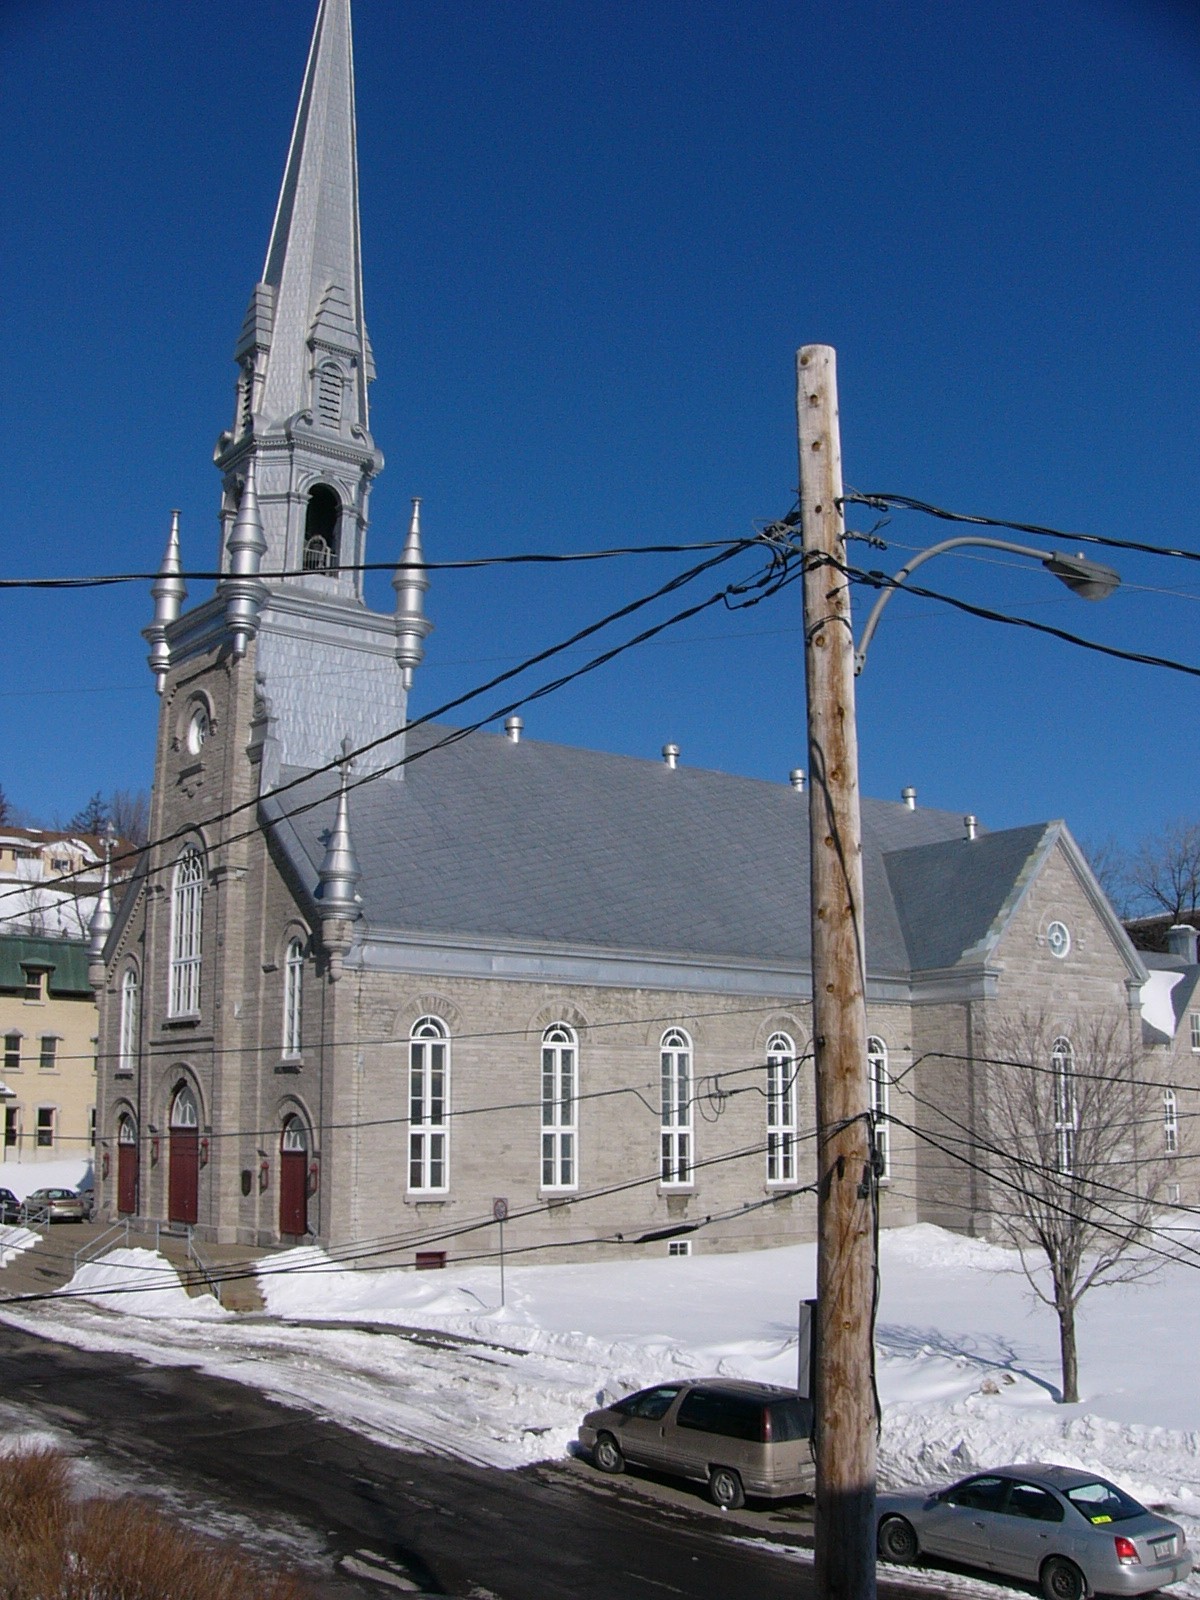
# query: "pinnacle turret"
410 584
169 591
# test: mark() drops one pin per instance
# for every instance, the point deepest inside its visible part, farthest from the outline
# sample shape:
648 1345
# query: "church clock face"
197 730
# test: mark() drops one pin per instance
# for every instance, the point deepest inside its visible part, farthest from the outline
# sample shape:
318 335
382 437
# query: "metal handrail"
201 1266
88 1252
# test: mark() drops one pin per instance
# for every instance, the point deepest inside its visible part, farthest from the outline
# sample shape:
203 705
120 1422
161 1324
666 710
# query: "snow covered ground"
967 1360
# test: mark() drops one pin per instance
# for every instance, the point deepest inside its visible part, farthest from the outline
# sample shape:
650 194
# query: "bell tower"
304 359
297 468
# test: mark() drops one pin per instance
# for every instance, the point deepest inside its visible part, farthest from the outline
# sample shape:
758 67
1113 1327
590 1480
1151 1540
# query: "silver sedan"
1071 1532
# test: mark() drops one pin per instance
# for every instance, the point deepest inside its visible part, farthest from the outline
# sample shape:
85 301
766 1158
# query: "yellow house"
48 1027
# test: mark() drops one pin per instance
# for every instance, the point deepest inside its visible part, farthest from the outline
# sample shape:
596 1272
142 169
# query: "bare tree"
1109 861
129 813
1073 1192
1164 873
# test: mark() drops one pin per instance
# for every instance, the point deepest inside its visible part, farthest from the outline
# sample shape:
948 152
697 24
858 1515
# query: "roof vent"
671 754
513 727
971 824
796 778
909 796
1181 941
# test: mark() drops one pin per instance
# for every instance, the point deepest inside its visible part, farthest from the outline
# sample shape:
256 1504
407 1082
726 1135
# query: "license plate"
1163 1547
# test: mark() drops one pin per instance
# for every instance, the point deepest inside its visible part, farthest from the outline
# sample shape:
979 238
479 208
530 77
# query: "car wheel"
897 1541
1062 1580
607 1454
726 1490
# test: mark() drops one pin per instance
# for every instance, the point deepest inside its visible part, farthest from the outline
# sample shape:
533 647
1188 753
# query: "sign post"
499 1212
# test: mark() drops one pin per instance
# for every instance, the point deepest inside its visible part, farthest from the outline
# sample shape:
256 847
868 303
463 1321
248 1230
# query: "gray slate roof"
531 842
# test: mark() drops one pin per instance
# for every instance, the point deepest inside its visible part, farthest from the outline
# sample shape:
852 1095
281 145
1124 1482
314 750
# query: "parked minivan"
738 1437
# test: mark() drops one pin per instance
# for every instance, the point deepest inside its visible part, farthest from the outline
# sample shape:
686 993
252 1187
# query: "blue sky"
594 235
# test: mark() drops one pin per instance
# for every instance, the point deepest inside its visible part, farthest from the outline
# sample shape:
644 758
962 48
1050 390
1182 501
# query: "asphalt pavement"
367 1519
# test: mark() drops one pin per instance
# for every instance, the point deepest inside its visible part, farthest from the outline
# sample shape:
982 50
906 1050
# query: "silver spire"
243 587
339 871
103 917
410 584
169 591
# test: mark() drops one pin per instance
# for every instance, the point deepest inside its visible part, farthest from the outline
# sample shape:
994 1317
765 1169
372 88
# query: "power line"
532 558
903 502
882 580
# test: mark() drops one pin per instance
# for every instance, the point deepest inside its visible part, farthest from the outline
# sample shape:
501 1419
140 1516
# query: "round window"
197 730
1058 938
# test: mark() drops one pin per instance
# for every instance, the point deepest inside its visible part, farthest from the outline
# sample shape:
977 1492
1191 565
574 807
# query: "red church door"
127 1167
183 1186
293 1179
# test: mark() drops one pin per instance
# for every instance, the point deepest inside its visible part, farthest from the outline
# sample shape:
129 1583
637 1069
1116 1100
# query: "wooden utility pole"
845 1404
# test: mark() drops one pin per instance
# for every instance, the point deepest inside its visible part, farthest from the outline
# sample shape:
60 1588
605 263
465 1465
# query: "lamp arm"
860 655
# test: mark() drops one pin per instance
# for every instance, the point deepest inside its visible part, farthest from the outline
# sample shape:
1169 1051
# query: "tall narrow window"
131 1021
781 1109
560 1092
45 1127
293 978
12 1127
1194 1030
48 1053
428 1091
1066 1116
12 1052
1170 1122
877 1077
186 892
676 1060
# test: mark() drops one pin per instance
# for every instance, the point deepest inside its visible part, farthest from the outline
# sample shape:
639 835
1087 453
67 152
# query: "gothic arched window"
293 980
130 1023
187 889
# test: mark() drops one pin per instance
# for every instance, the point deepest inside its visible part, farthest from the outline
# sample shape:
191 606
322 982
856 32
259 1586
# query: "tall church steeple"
303 354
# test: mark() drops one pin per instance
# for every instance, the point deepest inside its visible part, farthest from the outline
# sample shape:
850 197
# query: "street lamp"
1088 579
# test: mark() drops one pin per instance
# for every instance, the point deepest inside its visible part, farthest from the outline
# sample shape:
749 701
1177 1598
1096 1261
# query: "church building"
376 987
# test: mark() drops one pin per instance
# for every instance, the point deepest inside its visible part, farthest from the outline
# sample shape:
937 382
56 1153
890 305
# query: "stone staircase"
52 1262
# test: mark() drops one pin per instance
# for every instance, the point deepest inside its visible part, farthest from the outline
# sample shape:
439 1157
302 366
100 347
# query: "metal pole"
502 1263
845 1409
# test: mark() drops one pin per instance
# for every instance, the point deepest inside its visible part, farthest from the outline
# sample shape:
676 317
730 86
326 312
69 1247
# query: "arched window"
428 1108
321 529
560 1102
1066 1113
1170 1122
186 896
878 1081
130 1021
781 1109
293 980
676 1063
184 1111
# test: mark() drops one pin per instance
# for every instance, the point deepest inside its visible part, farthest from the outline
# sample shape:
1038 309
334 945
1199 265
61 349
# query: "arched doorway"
127 1166
293 1178
183 1188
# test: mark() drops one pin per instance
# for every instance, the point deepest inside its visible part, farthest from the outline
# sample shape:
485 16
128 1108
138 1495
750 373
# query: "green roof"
65 960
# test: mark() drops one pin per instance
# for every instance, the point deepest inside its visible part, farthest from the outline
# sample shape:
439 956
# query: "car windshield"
649 1403
1102 1502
